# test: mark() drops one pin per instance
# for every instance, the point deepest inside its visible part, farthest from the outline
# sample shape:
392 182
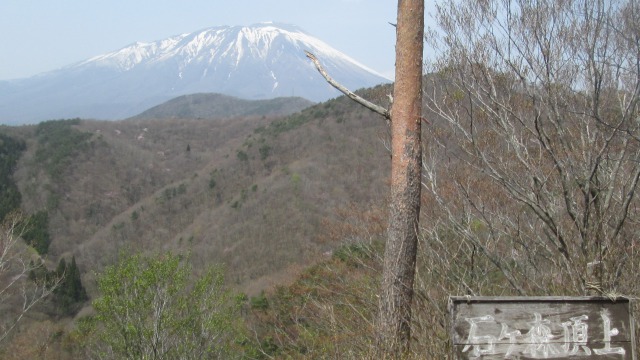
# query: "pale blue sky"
43 35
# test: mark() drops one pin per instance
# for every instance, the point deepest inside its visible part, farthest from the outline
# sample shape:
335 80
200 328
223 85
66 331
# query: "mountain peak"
231 41
259 61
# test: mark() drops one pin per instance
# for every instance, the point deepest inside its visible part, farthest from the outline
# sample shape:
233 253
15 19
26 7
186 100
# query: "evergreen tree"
62 267
70 293
78 291
36 232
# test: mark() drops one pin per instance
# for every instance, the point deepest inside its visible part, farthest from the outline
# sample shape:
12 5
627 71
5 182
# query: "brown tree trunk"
400 252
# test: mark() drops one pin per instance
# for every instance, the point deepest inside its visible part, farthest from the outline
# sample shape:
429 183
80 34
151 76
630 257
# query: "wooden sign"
541 328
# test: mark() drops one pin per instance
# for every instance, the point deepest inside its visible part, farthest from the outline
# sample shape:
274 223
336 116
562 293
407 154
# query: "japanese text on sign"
538 342
495 328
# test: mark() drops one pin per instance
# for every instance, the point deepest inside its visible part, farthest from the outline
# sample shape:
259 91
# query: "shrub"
153 307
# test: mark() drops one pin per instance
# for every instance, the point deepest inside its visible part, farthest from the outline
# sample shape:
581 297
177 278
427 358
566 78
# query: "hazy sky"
43 35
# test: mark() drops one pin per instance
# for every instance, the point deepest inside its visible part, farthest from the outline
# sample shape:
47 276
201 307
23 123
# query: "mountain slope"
260 61
251 192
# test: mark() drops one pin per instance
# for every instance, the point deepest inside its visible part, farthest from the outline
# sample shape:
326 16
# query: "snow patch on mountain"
259 61
257 41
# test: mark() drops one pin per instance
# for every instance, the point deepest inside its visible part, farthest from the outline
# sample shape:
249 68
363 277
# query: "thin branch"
369 105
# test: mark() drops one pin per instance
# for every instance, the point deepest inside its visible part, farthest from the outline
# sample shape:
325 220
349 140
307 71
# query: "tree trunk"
400 252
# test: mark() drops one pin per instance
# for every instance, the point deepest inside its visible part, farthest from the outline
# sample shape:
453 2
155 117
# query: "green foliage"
244 195
295 180
264 151
10 151
287 124
260 302
242 156
212 179
269 345
172 192
152 308
353 254
36 232
68 292
296 120
58 142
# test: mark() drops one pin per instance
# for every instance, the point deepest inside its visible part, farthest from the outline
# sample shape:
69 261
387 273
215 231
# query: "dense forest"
10 151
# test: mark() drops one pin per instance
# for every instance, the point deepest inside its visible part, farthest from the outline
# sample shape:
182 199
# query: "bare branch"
539 117
15 267
369 105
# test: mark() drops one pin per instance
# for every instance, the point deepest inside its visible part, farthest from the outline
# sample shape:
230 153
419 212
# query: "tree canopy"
152 307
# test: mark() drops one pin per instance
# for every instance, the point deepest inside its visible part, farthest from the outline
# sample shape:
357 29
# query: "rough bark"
400 252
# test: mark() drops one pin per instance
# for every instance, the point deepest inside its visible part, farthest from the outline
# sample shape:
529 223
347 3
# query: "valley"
248 192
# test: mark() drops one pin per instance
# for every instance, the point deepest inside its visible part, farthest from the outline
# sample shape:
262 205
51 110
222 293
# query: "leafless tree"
18 294
536 154
396 292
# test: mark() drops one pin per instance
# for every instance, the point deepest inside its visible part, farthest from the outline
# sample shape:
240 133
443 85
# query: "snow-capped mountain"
260 61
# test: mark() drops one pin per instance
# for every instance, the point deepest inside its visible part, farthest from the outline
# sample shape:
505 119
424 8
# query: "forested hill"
208 105
250 192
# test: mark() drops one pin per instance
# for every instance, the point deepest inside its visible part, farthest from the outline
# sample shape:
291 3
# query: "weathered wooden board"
490 328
